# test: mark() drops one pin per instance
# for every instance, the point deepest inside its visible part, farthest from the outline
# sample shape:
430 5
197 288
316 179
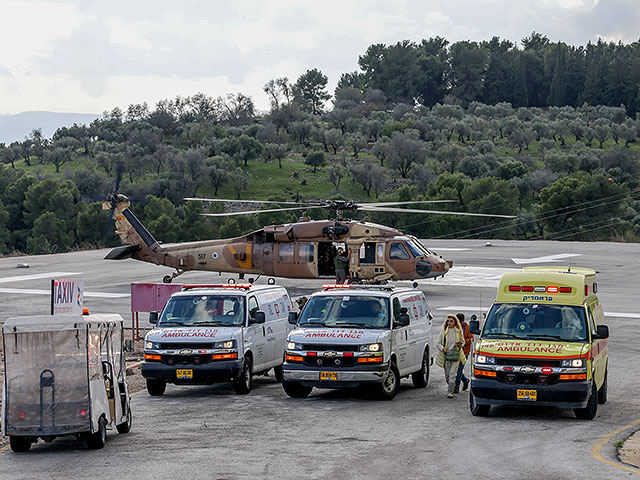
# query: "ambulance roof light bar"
243 286
548 289
338 286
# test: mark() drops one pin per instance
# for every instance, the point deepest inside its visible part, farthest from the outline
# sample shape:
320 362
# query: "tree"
50 234
310 91
276 151
239 181
217 172
468 62
357 142
335 139
335 174
404 151
8 155
581 207
315 159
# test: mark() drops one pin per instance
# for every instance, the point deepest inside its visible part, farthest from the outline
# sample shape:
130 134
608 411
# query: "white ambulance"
217 333
359 336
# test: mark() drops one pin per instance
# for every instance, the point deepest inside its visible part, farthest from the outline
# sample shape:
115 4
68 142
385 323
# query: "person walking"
341 263
466 349
450 351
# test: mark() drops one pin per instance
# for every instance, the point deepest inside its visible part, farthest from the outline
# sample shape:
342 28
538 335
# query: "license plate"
184 373
527 395
329 376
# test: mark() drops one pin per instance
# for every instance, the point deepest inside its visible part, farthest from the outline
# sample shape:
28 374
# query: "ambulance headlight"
151 346
225 344
371 347
573 362
485 360
294 346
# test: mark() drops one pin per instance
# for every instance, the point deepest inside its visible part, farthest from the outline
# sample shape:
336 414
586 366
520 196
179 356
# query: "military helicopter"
304 249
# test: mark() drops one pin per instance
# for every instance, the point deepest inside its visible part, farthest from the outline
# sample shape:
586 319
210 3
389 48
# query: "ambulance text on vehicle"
544 342
353 336
217 333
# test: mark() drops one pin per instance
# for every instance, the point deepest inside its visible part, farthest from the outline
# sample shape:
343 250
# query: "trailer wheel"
125 426
19 444
98 440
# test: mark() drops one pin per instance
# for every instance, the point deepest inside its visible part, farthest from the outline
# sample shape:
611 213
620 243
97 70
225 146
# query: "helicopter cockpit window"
286 252
398 252
306 253
204 310
414 249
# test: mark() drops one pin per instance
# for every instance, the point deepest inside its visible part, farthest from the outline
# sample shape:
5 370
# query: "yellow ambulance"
544 342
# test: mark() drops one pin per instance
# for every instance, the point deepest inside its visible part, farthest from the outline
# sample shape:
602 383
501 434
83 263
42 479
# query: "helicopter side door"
400 260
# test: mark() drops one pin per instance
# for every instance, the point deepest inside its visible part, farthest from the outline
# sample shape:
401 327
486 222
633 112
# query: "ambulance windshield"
346 311
536 322
203 310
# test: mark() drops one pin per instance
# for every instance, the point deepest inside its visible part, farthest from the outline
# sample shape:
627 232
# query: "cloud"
4 71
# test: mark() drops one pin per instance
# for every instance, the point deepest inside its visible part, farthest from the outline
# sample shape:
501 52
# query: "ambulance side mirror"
293 318
402 320
153 317
474 326
601 333
259 317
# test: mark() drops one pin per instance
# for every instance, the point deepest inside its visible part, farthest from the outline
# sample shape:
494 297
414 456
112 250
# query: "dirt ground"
134 378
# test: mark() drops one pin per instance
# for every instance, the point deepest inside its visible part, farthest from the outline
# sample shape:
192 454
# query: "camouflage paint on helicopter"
297 250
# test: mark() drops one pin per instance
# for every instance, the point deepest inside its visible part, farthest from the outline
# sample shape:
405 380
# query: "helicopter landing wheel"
167 279
354 280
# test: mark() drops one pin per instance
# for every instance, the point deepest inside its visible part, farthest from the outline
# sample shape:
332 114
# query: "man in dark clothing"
341 263
466 348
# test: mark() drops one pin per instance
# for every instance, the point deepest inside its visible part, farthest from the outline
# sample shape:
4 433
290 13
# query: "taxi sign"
67 297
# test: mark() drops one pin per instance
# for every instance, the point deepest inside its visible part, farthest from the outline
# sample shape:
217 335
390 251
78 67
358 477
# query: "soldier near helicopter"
341 263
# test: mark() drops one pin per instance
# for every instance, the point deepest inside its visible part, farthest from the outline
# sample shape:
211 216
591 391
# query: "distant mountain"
17 127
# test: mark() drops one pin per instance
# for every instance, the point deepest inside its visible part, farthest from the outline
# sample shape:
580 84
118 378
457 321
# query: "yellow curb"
596 450
5 448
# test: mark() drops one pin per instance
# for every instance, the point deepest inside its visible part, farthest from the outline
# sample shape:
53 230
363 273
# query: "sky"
89 56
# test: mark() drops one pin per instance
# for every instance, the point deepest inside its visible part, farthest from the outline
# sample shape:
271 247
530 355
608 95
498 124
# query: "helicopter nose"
423 268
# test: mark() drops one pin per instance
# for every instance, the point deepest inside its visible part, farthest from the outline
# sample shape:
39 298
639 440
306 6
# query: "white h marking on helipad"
38 276
548 258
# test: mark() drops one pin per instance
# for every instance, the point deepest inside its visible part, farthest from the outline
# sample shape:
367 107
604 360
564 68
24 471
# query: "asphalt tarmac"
209 432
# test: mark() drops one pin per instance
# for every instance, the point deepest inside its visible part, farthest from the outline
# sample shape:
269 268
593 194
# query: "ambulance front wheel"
589 412
242 384
478 410
602 393
277 372
420 378
125 426
155 388
19 444
296 389
388 389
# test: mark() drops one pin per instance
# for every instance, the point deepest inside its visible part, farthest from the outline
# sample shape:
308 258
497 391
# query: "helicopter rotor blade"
384 204
437 212
250 212
258 202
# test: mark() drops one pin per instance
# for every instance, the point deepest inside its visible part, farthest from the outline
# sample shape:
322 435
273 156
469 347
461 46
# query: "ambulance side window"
396 308
592 323
253 306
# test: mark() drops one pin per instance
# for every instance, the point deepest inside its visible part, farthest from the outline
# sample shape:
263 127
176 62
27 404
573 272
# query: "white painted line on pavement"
449 249
38 276
622 315
548 258
469 277
29 291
